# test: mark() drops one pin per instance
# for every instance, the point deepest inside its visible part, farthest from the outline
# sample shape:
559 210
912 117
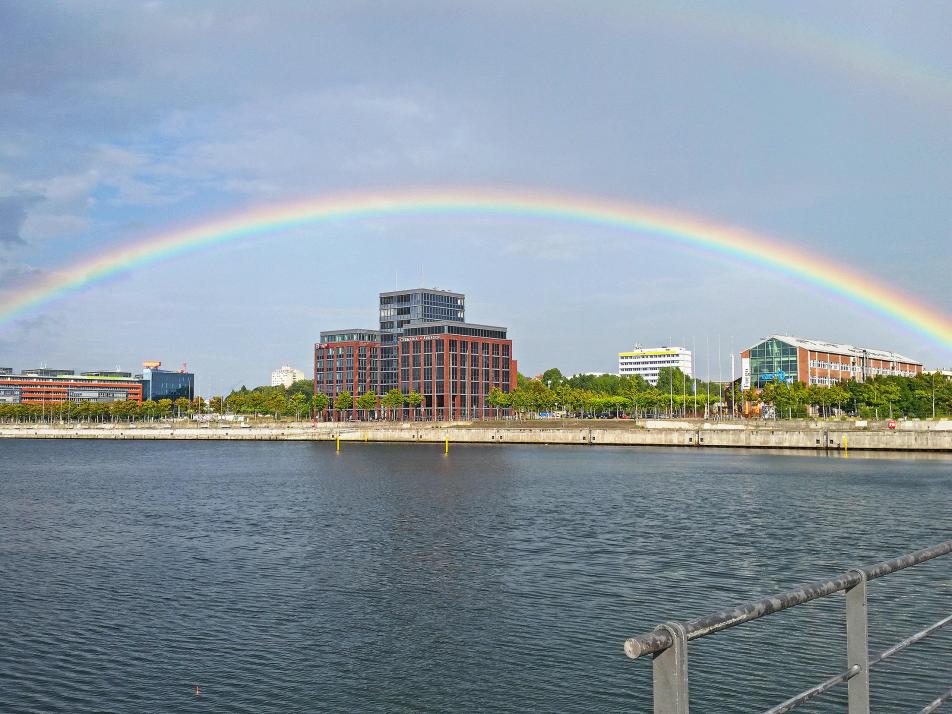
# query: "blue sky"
119 119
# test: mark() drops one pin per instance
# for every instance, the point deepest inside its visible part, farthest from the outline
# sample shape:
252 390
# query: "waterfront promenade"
935 436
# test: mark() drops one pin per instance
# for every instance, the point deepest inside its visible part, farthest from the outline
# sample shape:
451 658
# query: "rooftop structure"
401 308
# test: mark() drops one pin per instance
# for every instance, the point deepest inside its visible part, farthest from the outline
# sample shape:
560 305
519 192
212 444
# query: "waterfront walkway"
839 436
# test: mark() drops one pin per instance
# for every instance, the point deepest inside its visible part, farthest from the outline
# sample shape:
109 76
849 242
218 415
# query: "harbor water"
286 577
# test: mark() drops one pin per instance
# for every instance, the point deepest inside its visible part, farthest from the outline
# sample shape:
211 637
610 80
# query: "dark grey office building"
401 308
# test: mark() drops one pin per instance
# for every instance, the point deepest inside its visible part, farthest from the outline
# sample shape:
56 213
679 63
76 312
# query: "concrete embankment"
933 436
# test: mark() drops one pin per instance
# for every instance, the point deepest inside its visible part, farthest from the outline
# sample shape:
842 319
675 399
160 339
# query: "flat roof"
654 351
349 330
422 290
839 348
452 323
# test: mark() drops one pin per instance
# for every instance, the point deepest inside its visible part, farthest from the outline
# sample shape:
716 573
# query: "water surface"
283 577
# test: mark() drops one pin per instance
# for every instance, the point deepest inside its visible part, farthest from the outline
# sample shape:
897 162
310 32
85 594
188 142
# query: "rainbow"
733 242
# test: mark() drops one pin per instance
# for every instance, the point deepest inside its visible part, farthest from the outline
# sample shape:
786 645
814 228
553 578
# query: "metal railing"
669 642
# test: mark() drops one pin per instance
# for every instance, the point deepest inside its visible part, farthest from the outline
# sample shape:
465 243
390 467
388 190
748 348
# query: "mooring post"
338 442
670 673
857 646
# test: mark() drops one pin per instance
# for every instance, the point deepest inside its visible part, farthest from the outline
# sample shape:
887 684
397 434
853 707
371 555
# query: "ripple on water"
285 577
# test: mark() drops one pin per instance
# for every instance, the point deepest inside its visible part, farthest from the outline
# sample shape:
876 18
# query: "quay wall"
820 436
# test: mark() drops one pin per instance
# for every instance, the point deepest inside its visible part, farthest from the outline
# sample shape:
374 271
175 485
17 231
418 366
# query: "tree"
216 405
165 407
392 401
497 399
553 378
319 403
344 401
414 401
367 402
182 404
298 404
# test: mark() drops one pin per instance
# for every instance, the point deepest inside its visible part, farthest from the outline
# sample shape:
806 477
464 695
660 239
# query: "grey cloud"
13 214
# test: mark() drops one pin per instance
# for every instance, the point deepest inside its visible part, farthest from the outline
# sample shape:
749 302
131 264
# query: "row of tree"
124 411
675 394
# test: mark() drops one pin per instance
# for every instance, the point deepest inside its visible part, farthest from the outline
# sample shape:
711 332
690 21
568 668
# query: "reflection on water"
286 577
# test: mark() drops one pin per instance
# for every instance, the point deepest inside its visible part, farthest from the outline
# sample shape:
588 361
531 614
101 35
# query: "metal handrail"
668 642
654 642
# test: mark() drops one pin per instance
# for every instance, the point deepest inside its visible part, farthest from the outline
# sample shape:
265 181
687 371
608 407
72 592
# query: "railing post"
670 673
857 649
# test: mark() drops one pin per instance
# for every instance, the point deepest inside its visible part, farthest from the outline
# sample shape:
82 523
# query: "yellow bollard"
846 449
446 446
365 436
338 442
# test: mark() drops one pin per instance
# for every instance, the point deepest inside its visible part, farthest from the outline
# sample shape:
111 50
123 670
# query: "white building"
286 376
646 361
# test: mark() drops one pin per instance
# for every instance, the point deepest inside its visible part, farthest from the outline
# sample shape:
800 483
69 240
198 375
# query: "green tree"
344 401
552 378
298 404
392 401
414 401
165 407
367 402
181 405
497 399
319 403
216 405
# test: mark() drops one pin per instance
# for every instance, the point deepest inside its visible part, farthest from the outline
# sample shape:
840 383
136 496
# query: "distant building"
46 372
166 384
109 374
423 345
286 376
401 308
794 359
646 361
66 387
347 361
6 370
454 366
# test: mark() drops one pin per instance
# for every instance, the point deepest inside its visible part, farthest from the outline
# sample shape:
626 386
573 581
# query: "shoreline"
806 436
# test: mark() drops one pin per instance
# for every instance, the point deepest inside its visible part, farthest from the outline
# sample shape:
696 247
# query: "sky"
825 126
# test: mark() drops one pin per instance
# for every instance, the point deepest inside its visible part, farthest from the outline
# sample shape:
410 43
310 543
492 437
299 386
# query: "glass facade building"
163 384
784 358
773 360
401 308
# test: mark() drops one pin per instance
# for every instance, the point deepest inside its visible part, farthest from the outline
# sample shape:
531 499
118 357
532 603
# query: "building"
401 308
286 376
347 360
454 365
423 345
46 389
646 361
112 374
165 384
46 372
793 359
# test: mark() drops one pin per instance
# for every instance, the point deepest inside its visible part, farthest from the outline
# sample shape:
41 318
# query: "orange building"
33 389
793 359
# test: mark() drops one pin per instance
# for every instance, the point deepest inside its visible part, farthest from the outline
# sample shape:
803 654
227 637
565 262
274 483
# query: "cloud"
13 214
